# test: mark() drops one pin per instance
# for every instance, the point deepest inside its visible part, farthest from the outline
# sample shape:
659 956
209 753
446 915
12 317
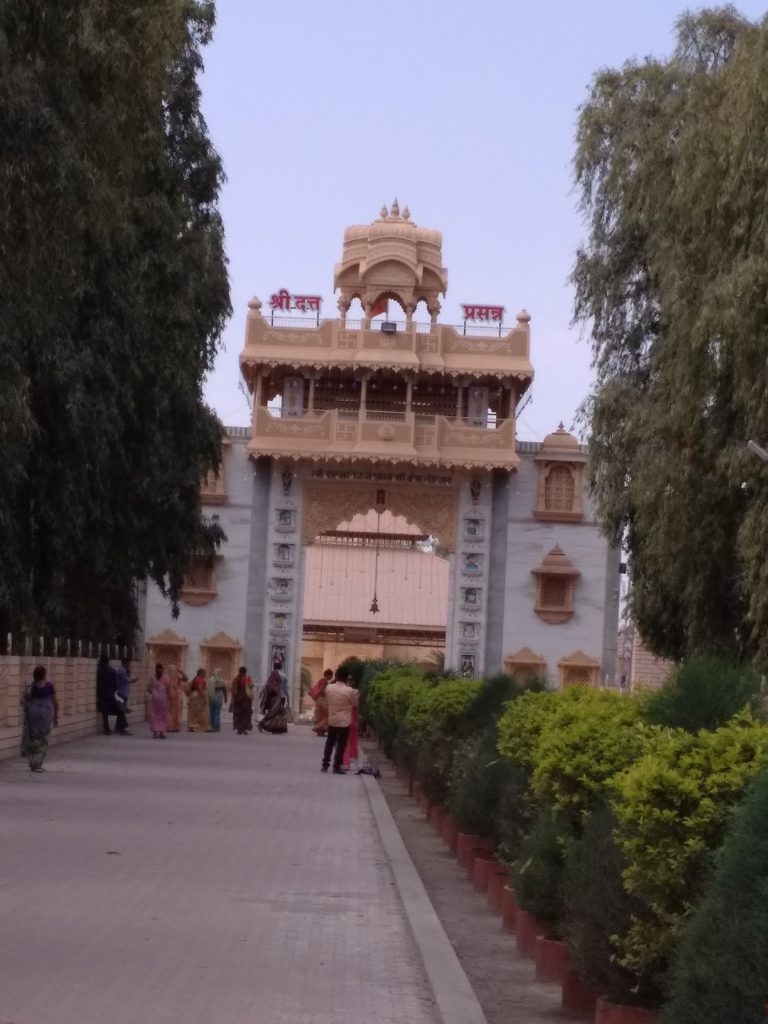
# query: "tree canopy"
672 283
113 296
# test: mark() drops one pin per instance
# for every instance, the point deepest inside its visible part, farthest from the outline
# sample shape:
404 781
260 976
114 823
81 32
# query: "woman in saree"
41 714
175 679
274 702
352 749
241 704
198 717
159 691
317 693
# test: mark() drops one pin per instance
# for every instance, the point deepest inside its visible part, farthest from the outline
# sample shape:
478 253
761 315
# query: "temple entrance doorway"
375 586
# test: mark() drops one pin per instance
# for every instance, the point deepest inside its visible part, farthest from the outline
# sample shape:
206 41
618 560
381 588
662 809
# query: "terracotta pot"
527 929
494 890
468 847
614 1013
509 908
436 816
553 960
450 832
576 996
481 869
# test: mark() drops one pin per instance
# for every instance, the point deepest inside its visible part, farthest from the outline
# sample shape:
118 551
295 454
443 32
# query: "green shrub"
514 813
673 807
596 908
538 872
703 694
478 778
388 699
372 669
430 731
521 724
587 737
720 973
494 695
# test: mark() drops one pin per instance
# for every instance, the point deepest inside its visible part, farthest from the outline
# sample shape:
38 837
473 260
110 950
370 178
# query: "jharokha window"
525 665
560 462
578 669
555 583
199 586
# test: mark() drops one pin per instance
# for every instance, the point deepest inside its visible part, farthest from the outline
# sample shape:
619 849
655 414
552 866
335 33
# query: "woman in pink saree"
159 703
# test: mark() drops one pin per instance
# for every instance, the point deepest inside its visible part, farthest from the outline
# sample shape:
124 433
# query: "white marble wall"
227 611
592 627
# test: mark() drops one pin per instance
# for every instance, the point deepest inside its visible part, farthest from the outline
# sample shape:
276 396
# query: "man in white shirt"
342 698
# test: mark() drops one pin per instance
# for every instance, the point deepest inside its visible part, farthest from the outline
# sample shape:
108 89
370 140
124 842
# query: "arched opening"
387 306
375 586
355 314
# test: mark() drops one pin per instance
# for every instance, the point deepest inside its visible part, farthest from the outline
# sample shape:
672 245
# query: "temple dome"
561 439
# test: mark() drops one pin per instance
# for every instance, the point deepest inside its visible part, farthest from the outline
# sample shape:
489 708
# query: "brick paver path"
204 880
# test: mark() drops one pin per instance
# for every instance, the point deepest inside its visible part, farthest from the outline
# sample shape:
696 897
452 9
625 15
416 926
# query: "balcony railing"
391 437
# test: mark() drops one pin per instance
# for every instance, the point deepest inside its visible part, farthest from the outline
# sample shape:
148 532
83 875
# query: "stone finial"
523 317
383 212
561 426
255 304
406 213
395 209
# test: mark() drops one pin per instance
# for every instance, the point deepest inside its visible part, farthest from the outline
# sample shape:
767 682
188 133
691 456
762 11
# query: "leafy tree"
113 295
673 283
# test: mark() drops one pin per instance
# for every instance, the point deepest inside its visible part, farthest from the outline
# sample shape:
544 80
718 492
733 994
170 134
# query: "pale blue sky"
465 111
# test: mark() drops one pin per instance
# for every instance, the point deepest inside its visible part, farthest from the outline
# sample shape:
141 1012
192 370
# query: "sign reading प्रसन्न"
284 301
475 312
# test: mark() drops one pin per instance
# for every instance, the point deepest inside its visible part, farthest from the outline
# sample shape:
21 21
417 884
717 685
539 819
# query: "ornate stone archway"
326 505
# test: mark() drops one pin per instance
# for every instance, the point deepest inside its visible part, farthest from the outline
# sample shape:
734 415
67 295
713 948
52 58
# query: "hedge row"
609 810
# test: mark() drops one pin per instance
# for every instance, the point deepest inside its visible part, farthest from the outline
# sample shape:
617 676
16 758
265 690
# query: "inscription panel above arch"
325 506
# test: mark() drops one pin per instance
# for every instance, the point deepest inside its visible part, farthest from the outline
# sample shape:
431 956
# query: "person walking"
342 700
274 702
241 702
175 679
41 714
317 693
159 703
217 694
106 698
198 719
124 683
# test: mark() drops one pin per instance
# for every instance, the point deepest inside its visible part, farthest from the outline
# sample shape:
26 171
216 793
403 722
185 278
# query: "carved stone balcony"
412 347
384 437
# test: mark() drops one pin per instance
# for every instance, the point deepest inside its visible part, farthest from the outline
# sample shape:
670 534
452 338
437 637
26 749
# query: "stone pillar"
257 389
311 396
459 399
363 397
409 396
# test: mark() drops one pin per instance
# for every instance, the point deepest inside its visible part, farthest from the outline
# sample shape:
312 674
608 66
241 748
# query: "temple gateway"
380 502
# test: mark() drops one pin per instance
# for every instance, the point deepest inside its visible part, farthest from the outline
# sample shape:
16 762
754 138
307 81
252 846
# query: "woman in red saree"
241 702
352 749
317 693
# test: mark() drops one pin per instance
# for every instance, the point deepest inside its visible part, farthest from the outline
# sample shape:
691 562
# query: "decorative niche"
560 463
579 669
199 585
524 665
555 584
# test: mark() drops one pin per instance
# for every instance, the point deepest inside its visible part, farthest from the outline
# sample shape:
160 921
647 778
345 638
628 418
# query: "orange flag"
379 306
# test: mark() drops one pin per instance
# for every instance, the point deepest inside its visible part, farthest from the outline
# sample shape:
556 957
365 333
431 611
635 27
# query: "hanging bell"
374 605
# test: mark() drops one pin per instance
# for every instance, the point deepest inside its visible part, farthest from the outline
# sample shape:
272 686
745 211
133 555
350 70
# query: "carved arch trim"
328 505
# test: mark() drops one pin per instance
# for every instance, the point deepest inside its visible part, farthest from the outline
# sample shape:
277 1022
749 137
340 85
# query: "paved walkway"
205 879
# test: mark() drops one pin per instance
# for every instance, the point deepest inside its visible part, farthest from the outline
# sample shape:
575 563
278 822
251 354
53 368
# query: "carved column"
257 389
363 397
311 396
409 395
409 311
459 401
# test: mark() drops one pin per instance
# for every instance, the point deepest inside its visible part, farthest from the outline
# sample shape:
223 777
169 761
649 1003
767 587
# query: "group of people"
335 719
337 700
